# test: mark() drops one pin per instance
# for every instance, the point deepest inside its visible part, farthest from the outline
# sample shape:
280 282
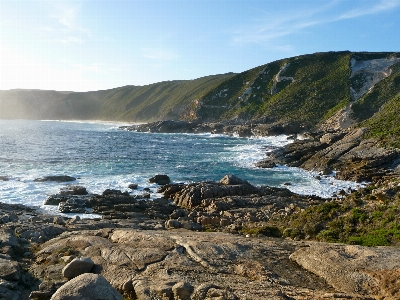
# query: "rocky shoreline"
229 128
208 240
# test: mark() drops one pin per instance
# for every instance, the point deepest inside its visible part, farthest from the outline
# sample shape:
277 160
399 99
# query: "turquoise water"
101 156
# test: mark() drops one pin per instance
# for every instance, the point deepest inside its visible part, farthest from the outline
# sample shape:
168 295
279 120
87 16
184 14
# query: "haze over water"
101 156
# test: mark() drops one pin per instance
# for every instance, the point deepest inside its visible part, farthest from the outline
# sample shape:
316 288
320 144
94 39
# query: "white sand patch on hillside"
373 71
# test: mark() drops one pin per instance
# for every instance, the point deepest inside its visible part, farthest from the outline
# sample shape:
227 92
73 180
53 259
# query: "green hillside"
159 101
305 90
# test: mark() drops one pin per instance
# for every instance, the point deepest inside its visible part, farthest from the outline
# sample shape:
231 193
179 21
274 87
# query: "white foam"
308 184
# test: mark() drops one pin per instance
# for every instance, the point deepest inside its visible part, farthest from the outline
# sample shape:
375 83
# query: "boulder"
3 178
87 287
160 179
77 267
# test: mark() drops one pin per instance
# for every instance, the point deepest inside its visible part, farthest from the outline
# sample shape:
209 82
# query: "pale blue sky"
93 44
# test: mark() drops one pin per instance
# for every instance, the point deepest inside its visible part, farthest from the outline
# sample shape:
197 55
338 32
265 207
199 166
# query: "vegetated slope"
157 101
305 89
385 124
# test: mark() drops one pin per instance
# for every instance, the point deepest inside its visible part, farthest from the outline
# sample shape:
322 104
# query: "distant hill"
158 101
331 89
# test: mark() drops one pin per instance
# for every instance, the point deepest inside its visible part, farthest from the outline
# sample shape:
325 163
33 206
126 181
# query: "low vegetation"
368 217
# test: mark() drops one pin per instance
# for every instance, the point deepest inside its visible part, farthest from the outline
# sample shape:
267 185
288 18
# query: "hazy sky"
95 44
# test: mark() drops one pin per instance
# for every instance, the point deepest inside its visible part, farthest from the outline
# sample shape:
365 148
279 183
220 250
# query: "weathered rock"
232 180
156 264
182 290
170 224
77 267
191 195
8 238
353 269
346 151
160 179
9 270
59 178
87 287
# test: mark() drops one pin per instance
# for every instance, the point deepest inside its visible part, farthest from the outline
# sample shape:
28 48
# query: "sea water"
101 156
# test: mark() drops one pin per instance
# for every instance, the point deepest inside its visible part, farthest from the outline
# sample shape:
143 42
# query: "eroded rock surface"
201 265
347 152
354 269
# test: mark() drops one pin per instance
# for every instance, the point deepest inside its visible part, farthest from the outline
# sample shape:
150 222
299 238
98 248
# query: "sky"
92 45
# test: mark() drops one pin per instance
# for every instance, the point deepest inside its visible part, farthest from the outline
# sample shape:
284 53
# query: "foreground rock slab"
354 269
182 264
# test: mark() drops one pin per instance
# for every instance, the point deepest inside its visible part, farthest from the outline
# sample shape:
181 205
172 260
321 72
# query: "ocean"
101 156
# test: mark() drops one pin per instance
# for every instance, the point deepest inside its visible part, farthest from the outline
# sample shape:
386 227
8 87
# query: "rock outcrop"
237 129
354 269
347 152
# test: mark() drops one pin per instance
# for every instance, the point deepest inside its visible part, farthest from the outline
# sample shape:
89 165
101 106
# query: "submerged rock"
160 179
59 178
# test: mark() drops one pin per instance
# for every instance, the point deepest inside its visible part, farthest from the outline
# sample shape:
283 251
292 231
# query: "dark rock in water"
133 186
55 200
114 192
65 193
266 164
160 179
73 190
58 178
3 178
58 198
112 203
74 205
326 171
